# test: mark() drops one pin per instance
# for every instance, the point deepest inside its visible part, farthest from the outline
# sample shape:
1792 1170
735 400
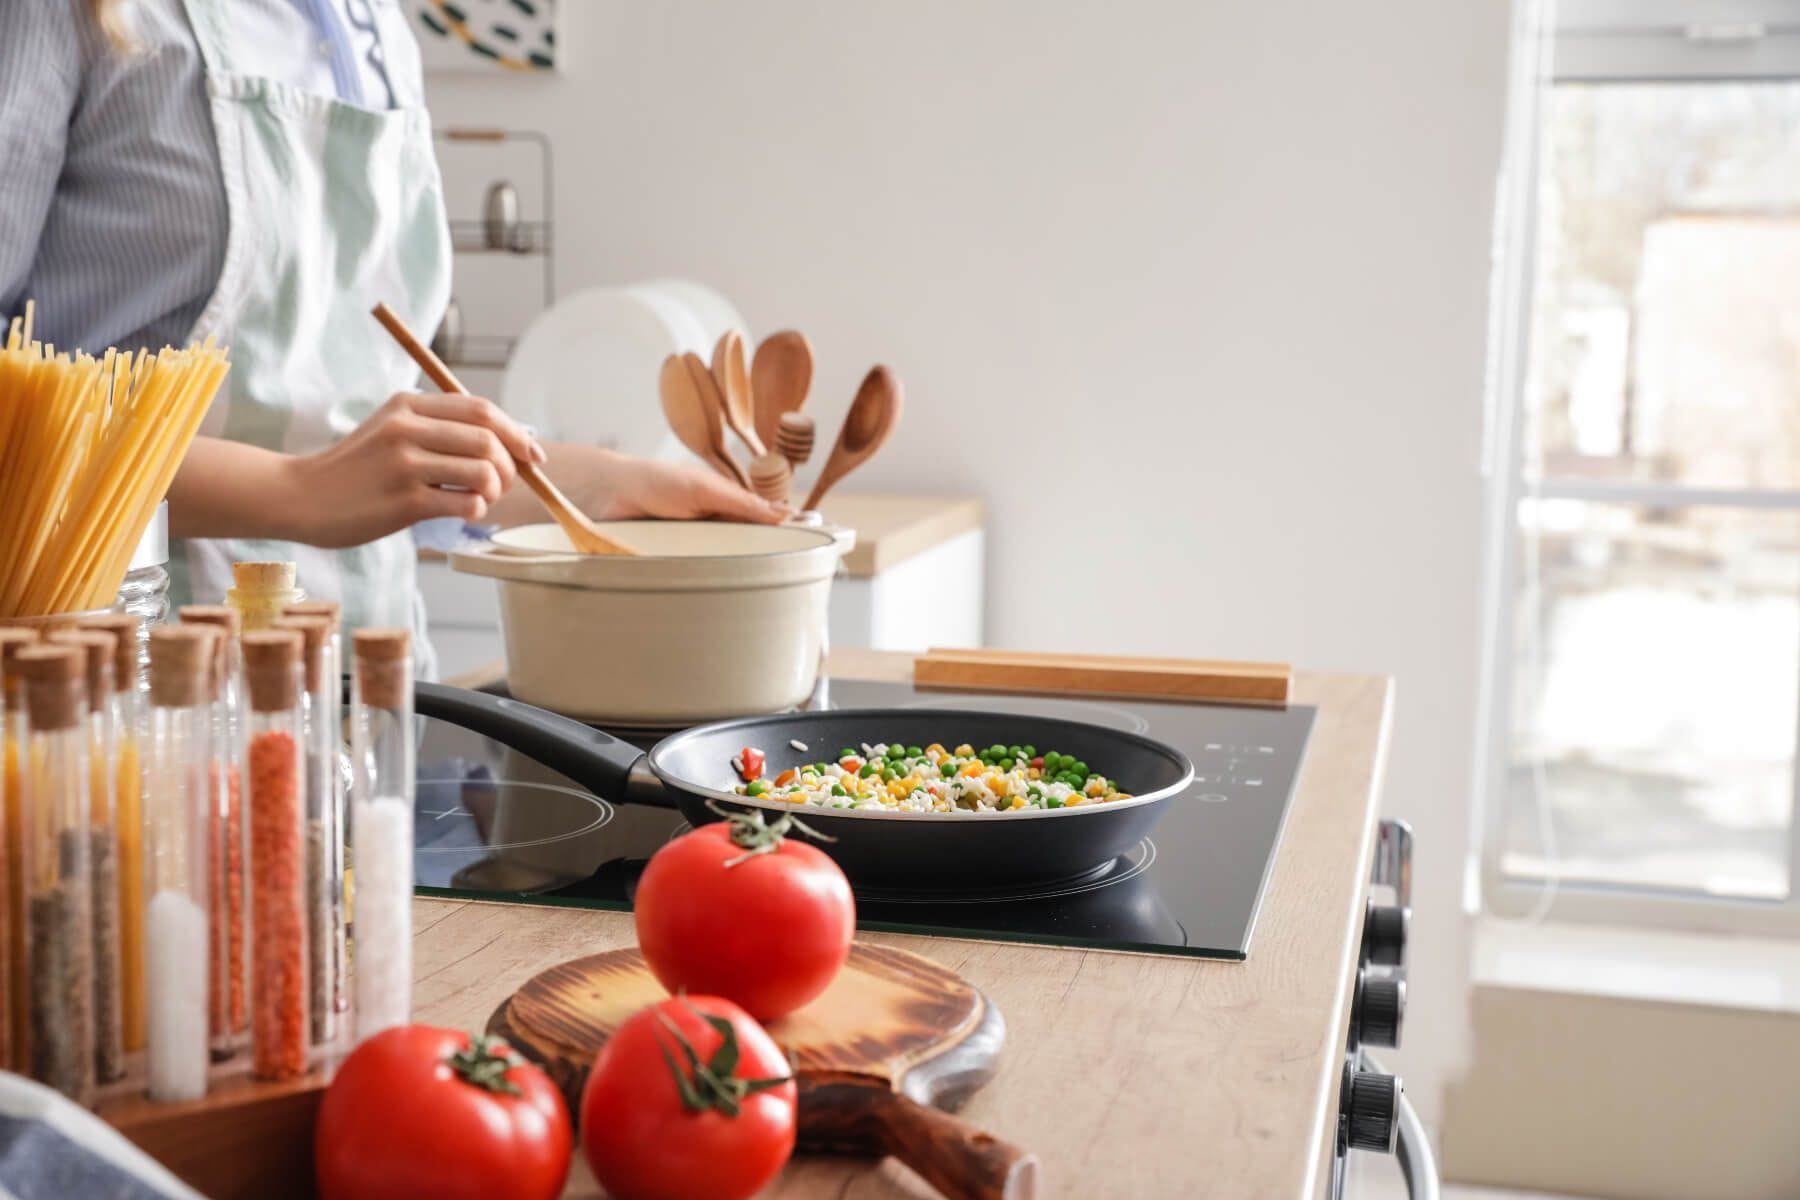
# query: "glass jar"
145 592
262 591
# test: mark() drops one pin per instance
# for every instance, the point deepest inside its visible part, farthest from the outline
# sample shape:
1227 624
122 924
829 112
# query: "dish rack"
533 238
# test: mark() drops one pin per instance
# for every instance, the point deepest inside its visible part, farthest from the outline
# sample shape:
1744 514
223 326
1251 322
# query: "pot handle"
596 760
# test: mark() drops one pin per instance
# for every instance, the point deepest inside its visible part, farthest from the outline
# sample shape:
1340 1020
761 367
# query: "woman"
262 171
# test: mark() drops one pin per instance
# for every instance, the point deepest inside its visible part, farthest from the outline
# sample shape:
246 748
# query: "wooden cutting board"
1171 679
895 1042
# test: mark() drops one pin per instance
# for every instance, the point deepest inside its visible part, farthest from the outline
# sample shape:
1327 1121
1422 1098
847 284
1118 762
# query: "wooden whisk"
772 478
794 437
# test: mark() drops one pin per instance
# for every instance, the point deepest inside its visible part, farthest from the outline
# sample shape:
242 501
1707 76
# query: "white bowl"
587 370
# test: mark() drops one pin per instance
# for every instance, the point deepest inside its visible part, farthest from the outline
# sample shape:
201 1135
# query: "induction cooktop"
494 823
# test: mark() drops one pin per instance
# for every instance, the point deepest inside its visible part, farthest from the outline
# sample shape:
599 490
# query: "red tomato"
655 1128
767 929
420 1112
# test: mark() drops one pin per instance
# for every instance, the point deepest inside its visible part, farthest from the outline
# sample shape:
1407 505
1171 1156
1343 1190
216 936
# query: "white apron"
332 208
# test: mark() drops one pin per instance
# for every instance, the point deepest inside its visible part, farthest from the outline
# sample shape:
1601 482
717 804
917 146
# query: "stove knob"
1384 934
1370 1110
1377 1010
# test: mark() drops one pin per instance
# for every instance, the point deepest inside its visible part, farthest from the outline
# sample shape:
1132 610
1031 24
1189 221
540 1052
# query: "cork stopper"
315 634
264 577
181 665
124 627
330 610
98 648
13 640
383 666
53 695
272 668
220 615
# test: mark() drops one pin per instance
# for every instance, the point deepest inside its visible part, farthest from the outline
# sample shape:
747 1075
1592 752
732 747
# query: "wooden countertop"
1128 1074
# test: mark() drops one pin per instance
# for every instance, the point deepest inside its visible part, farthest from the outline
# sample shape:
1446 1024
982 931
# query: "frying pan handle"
597 761
858 1113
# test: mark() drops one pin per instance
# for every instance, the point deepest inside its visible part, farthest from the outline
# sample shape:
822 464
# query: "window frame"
1595 41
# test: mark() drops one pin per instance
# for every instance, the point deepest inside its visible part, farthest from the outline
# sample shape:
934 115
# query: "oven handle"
1418 1164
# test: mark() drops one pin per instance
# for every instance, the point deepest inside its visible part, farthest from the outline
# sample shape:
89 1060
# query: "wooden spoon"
733 379
692 406
872 417
583 534
780 377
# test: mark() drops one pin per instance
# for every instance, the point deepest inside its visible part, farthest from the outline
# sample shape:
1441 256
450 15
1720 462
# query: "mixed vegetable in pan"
931 779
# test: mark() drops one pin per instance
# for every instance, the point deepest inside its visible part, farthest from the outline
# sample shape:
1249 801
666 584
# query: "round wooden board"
922 1029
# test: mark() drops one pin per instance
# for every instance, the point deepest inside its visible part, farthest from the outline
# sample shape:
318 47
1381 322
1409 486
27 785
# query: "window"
1642 686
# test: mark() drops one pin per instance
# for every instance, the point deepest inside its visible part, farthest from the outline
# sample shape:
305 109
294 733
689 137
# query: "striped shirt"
112 204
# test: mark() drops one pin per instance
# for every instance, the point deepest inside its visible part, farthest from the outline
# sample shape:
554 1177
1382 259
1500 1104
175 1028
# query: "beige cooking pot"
708 620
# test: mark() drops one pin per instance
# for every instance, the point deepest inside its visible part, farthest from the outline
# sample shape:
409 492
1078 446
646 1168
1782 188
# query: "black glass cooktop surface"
495 823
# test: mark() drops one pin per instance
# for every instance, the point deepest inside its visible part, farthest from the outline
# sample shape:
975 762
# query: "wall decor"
486 35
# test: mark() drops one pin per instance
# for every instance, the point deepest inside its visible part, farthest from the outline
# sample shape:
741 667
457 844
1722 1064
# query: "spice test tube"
14 1047
280 1032
382 749
127 722
228 890
98 649
178 800
59 957
322 719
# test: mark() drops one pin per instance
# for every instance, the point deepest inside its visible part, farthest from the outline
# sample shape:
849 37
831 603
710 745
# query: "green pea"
1052 802
868 769
914 752
838 790
1017 751
1006 764
1031 752
757 787
1080 768
846 752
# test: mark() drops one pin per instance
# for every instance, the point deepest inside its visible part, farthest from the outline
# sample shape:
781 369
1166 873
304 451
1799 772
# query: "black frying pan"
905 850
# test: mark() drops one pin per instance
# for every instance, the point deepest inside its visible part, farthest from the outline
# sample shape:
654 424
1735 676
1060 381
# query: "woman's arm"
420 457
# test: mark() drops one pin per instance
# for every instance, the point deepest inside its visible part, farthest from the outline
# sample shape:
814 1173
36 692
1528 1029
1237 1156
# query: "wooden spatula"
780 377
872 417
894 1040
732 375
583 534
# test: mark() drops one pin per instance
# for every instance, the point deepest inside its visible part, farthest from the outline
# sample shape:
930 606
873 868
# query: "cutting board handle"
852 1112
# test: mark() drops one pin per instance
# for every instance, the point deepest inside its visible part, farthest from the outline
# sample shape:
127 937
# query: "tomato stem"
484 1064
754 835
712 1084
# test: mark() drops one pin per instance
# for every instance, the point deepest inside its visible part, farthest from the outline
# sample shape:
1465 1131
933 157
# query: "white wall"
1191 291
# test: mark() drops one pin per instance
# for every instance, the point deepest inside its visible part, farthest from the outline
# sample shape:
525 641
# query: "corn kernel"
1034 773
1096 788
964 750
934 749
1018 802
971 770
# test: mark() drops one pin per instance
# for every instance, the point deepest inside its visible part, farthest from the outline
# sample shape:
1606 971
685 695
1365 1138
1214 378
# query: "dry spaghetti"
88 448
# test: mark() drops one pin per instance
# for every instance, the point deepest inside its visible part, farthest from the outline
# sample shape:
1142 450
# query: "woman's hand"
638 487
418 457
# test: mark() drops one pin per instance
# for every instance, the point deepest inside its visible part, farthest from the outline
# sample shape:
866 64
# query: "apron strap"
212 31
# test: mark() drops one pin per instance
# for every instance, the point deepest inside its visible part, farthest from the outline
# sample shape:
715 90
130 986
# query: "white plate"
586 370
712 310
